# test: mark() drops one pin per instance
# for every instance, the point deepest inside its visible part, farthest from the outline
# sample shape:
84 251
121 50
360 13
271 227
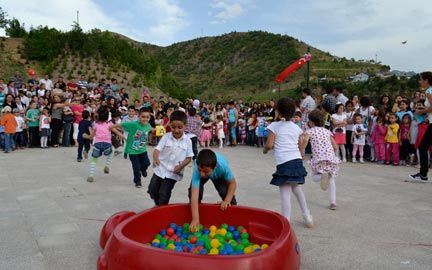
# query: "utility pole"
308 69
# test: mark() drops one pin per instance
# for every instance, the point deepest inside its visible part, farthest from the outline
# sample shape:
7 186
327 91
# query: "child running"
101 134
290 173
172 154
324 163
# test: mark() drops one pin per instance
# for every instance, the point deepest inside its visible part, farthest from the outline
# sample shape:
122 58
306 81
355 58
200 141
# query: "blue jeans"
140 163
19 139
67 134
2 140
9 143
83 143
232 131
101 148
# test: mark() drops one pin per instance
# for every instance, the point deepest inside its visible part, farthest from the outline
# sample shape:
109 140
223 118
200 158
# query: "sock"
316 177
108 160
221 143
42 141
92 167
342 148
285 195
301 199
332 189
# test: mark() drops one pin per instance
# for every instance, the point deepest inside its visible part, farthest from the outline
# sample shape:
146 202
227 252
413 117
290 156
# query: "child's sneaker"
79 159
90 179
308 219
344 160
144 173
106 170
333 206
354 160
361 160
85 154
138 185
324 181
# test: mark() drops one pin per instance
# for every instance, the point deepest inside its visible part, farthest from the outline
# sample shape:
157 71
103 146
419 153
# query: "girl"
252 123
101 135
358 138
261 129
392 140
205 135
378 138
44 127
290 173
220 130
324 162
350 111
404 139
339 121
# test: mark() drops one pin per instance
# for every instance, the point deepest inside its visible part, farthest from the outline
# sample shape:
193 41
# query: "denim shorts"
101 148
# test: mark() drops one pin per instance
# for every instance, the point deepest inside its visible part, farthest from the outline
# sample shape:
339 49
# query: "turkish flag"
293 67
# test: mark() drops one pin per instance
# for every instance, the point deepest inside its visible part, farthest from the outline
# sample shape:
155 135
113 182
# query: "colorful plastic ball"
215 243
242 231
212 234
228 236
171 246
231 228
186 226
239 247
170 231
264 246
156 241
224 226
173 226
158 236
222 252
257 250
214 251
236 234
203 251
245 235
163 232
162 245
200 243
245 242
205 231
193 239
239 228
154 244
213 228
178 249
248 250
223 232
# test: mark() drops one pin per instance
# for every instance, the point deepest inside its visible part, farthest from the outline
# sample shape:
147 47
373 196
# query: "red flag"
293 67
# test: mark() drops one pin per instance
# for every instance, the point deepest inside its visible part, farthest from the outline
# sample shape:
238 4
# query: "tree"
14 29
3 20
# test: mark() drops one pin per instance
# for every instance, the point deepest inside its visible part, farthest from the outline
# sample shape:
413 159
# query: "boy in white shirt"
170 157
19 135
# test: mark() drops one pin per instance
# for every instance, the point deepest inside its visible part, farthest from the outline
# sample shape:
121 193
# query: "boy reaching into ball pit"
213 166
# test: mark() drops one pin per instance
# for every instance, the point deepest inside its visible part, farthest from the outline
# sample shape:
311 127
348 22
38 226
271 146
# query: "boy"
214 166
9 123
130 117
136 143
170 157
83 136
193 129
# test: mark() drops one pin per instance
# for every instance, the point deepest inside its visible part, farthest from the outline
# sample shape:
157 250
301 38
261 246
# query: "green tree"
14 29
3 19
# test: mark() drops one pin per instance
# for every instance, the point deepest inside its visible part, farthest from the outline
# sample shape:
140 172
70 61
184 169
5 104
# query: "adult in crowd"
307 105
329 101
48 82
56 124
340 97
384 104
77 109
17 79
9 101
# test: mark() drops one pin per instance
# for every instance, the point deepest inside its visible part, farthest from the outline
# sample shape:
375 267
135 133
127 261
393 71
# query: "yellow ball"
156 241
171 246
214 251
212 228
212 234
248 250
264 246
255 247
222 232
214 243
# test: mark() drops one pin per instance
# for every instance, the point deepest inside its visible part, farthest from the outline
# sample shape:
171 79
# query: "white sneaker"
361 160
354 160
324 181
308 219
344 160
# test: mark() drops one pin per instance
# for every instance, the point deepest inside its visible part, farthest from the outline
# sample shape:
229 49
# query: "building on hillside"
402 74
359 77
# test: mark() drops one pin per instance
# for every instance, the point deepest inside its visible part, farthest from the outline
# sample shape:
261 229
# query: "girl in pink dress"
206 134
324 163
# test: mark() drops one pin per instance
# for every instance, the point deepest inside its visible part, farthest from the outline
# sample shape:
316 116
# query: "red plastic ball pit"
124 235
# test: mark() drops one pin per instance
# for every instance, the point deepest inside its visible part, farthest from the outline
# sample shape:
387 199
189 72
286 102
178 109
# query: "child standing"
10 124
172 154
136 144
404 139
19 134
220 130
339 121
101 135
358 138
44 127
32 117
205 135
392 140
378 138
83 136
324 162
297 119
290 173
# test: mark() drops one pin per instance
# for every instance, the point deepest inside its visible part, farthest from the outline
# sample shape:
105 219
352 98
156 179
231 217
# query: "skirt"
45 132
290 172
205 135
340 138
325 166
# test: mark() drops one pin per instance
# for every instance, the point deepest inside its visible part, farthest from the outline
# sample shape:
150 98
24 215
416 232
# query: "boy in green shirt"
32 117
136 144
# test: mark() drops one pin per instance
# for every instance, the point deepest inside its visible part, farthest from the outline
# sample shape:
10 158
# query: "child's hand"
224 205
194 226
265 150
177 169
156 162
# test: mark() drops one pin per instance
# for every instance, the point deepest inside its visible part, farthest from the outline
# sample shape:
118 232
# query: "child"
261 130
220 131
159 128
242 130
130 117
358 138
297 119
392 140
136 144
83 136
32 117
205 135
349 127
404 139
101 135
252 123
172 154
378 138
339 121
193 127
44 127
19 134
290 173
211 166
324 162
116 140
10 124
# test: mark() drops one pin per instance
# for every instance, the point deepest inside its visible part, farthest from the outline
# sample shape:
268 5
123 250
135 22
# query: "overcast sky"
363 29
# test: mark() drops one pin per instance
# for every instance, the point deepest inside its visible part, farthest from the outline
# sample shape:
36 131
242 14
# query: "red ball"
178 239
174 237
243 231
170 231
193 240
166 237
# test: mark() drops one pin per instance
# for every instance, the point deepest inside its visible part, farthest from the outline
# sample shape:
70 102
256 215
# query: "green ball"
239 247
245 242
171 241
239 228
158 237
201 227
245 236
197 234
228 236
224 226
163 240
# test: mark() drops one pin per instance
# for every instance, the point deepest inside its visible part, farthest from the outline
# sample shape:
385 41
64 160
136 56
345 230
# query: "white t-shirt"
172 153
41 92
20 123
350 115
48 84
286 140
427 104
340 118
359 139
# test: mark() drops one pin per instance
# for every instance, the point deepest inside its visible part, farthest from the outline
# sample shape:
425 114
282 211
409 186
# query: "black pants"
405 149
221 186
83 144
160 189
194 146
348 145
34 136
140 163
56 127
423 149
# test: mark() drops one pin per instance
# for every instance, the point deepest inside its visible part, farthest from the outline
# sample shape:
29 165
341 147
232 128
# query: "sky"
360 29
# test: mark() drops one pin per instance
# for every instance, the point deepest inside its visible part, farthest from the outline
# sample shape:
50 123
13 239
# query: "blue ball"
203 252
222 252
205 231
257 250
163 232
231 228
178 249
173 225
200 243
162 245
155 245
236 235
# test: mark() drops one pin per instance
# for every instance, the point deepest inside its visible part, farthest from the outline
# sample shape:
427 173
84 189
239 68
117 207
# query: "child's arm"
156 161
232 186
118 132
334 144
270 142
303 142
184 163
